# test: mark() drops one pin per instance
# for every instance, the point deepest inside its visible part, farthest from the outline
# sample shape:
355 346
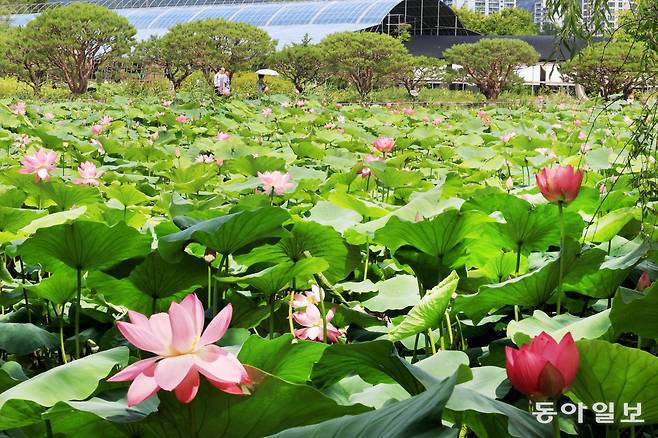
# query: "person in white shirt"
222 83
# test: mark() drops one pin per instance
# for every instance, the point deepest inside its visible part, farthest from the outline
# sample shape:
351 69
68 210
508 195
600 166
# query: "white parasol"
267 72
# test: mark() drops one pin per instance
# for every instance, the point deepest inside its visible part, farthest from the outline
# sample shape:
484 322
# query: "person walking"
222 83
261 86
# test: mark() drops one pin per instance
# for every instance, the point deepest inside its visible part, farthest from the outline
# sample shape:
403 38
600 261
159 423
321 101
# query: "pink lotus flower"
19 108
182 118
267 112
40 163
438 120
23 140
339 105
603 189
482 114
426 119
543 369
311 319
98 144
505 138
578 123
384 144
312 297
329 126
222 136
613 179
585 148
167 103
300 103
177 152
275 182
389 105
408 111
105 120
219 161
560 184
365 172
371 158
644 282
49 116
205 158
89 174
582 135
509 184
97 129
183 350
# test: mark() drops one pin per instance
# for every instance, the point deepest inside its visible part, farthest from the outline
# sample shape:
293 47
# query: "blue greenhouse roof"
286 22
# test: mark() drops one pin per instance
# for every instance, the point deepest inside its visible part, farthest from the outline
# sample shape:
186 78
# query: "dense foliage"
303 64
490 63
608 68
507 21
364 59
77 39
425 228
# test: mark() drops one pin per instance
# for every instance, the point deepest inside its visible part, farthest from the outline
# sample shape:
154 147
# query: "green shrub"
243 84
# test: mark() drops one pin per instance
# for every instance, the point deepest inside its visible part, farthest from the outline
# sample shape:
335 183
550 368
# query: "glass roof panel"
347 12
300 13
143 17
175 16
225 12
377 12
258 15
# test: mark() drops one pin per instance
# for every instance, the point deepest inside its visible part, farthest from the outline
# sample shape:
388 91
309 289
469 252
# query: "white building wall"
485 7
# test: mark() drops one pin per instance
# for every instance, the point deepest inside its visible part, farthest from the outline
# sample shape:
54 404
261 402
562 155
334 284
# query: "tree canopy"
78 38
302 64
613 67
508 21
364 59
491 62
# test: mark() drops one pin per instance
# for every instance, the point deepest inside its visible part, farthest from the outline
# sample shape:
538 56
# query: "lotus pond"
280 268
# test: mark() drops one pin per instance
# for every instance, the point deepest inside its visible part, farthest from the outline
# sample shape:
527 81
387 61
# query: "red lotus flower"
644 282
543 369
560 184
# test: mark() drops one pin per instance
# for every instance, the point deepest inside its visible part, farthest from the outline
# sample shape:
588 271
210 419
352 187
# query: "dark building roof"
548 46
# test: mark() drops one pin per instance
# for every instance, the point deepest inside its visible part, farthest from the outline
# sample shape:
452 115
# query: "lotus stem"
365 268
61 333
322 281
27 301
562 253
272 300
517 309
78 298
431 339
450 335
324 321
415 352
49 428
209 285
290 318
556 426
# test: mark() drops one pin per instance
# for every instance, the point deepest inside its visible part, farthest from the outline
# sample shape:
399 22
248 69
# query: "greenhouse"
289 21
